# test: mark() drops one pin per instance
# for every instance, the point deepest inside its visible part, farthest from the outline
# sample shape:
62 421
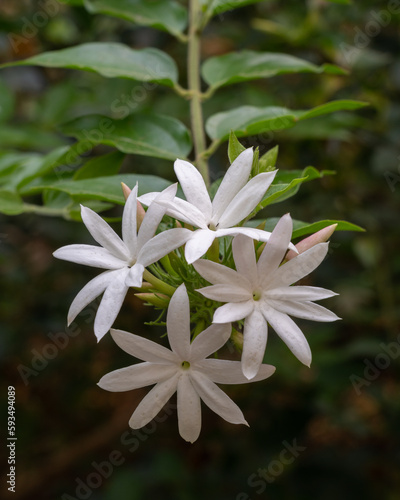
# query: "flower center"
257 295
185 365
132 262
212 226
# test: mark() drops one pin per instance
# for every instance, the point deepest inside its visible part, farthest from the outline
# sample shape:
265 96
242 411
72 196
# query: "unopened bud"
158 300
126 190
140 210
237 339
139 214
309 242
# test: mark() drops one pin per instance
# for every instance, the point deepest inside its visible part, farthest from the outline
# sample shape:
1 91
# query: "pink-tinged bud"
140 210
139 214
126 190
309 242
158 300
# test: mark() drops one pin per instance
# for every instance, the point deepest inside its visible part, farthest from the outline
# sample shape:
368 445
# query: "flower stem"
196 111
158 284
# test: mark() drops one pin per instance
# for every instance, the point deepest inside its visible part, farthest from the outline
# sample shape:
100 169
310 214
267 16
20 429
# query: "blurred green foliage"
67 426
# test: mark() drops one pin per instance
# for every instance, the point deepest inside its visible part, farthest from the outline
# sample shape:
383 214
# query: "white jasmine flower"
234 200
260 292
184 369
124 259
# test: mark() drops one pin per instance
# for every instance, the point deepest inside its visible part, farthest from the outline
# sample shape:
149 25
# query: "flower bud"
309 242
140 210
126 190
237 339
158 300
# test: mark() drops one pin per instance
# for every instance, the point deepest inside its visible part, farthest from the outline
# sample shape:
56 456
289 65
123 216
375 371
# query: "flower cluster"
214 259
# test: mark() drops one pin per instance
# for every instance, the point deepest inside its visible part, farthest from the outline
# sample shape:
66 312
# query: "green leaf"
149 134
250 120
214 7
33 166
337 126
269 159
301 228
250 65
10 202
287 183
101 188
101 167
304 228
165 15
7 102
234 147
28 137
9 161
112 60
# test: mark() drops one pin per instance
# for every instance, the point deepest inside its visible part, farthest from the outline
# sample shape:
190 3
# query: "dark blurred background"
328 432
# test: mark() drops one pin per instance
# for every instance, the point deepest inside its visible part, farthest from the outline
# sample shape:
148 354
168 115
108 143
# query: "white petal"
218 274
135 275
89 292
290 333
304 310
246 199
189 410
136 376
198 244
244 256
233 181
261 235
254 341
186 212
129 224
300 293
110 304
226 293
299 267
148 198
209 341
89 255
142 348
179 209
276 248
193 186
103 233
223 371
233 311
178 323
153 402
216 399
154 214
162 244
